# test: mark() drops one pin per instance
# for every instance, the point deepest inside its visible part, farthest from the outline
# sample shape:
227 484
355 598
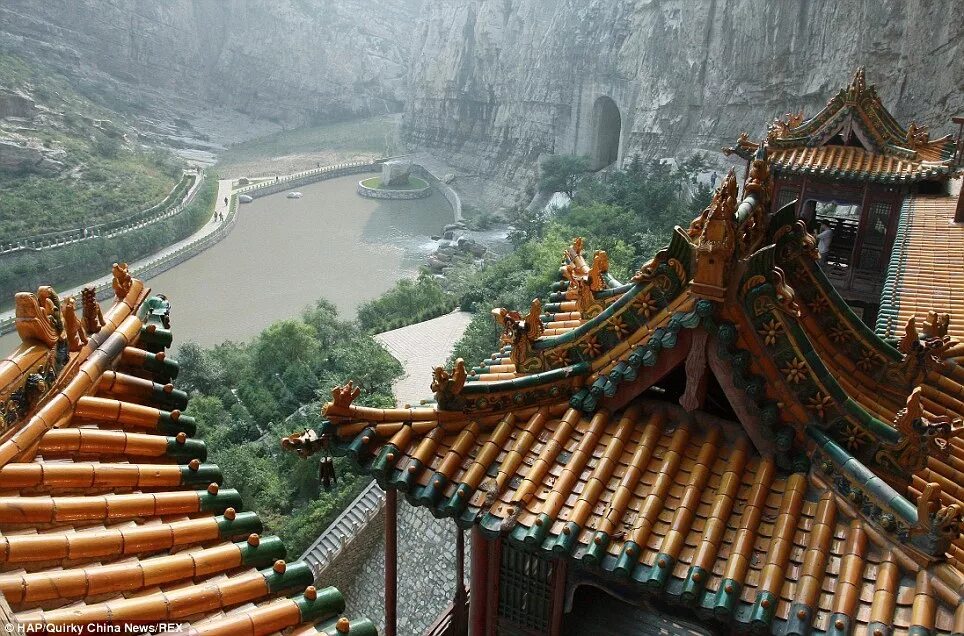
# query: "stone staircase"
344 528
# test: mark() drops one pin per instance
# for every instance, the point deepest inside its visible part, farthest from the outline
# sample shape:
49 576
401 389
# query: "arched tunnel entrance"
606 126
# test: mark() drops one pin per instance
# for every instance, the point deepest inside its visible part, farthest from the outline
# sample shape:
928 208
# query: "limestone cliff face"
292 61
497 82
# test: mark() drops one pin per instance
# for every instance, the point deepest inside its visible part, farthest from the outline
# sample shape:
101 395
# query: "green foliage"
80 262
478 342
245 397
407 303
413 183
103 179
562 173
628 213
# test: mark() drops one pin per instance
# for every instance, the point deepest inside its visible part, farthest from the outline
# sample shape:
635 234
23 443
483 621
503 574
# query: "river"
283 254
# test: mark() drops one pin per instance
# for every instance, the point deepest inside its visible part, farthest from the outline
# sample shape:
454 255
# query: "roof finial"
859 83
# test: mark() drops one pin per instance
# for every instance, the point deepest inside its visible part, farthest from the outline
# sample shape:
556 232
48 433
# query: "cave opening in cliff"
606 127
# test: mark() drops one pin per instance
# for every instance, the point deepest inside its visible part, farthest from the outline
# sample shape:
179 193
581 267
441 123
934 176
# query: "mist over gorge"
499 82
489 85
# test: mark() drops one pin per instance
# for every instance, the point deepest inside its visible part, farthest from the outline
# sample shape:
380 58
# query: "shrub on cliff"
563 173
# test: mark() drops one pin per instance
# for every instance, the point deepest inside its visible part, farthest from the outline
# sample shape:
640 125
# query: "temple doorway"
606 129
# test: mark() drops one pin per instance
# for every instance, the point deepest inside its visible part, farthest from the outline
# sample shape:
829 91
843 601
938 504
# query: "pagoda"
110 514
719 444
853 166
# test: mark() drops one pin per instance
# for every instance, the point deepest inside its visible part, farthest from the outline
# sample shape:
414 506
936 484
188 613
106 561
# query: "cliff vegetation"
67 162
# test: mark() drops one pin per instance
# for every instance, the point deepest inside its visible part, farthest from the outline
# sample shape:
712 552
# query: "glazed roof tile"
875 148
825 500
107 509
926 271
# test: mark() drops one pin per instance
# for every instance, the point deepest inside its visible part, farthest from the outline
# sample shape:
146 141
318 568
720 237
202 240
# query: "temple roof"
824 494
109 510
926 270
853 137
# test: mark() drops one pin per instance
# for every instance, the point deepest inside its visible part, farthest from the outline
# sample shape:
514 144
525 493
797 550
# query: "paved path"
224 190
420 348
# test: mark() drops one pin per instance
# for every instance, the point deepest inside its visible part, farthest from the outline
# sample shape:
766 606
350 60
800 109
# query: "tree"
562 173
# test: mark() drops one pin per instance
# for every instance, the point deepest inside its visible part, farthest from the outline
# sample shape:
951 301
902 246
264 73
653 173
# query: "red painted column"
492 585
459 618
478 597
558 596
391 562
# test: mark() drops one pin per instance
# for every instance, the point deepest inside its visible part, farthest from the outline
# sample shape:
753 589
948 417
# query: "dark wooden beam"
558 596
391 563
492 587
479 583
459 618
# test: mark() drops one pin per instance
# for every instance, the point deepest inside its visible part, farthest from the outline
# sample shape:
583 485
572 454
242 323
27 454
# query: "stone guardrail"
447 191
162 263
280 184
169 260
189 185
344 528
392 194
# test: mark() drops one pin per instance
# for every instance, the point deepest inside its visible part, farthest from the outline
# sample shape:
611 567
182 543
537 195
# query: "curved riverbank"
212 233
284 253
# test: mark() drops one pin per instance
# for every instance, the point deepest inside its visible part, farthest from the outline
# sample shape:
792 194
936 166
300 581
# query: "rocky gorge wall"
496 83
291 61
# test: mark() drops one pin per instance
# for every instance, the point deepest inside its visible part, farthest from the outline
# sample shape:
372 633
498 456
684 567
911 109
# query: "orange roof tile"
107 511
926 272
825 500
853 137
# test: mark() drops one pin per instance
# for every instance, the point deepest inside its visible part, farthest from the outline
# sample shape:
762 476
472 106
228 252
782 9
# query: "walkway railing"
344 528
338 169
161 263
172 205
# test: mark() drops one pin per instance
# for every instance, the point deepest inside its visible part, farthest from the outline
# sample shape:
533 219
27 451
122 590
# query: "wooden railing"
451 622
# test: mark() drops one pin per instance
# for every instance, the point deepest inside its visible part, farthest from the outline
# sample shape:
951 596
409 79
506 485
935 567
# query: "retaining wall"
104 290
447 191
394 195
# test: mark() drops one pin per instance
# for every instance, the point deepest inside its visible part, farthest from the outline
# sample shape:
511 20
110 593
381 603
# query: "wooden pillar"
492 586
862 223
959 154
959 211
459 619
696 373
479 583
391 562
558 596
802 197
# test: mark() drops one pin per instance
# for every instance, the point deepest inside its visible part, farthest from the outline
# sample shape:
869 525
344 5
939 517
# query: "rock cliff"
290 61
498 82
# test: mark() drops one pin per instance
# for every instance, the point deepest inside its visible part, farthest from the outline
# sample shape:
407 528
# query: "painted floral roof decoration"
825 497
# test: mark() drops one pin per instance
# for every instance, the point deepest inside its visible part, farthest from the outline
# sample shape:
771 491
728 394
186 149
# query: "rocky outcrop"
21 156
499 82
290 61
16 104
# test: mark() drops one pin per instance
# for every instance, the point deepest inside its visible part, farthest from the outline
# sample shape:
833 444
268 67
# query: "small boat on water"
294 195
245 198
